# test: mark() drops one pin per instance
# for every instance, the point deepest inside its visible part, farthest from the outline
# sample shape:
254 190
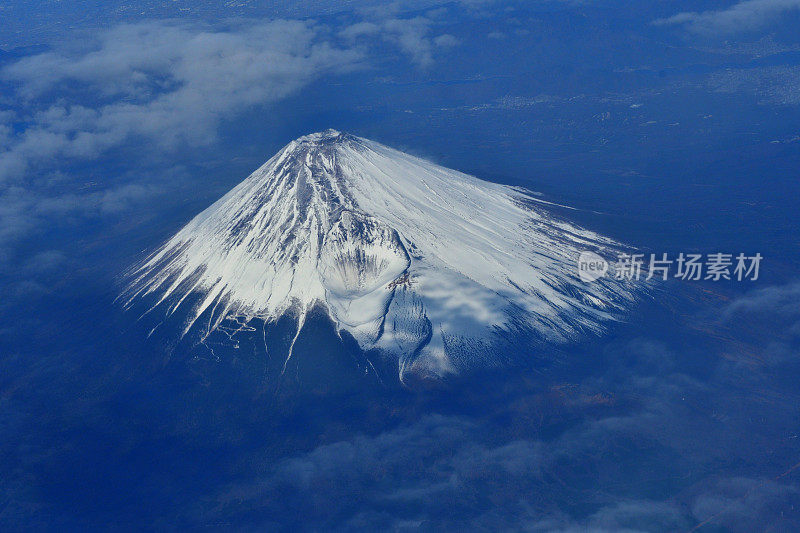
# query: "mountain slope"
432 266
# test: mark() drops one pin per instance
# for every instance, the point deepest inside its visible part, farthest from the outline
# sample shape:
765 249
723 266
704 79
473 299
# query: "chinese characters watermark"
691 267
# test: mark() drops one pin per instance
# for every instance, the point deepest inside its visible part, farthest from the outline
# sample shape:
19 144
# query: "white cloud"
360 29
446 40
172 84
412 36
169 83
749 15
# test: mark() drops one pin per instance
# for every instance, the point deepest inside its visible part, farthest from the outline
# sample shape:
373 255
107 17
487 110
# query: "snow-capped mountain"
430 266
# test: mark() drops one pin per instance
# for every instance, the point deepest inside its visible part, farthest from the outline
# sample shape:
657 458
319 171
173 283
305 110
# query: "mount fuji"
435 270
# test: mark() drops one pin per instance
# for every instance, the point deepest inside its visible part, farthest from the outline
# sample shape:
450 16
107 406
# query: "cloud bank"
750 15
411 36
169 83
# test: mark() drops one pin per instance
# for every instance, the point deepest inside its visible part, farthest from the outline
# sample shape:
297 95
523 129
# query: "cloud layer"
169 83
749 15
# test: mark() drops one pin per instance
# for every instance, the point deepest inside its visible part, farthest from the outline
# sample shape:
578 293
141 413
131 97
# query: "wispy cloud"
749 15
171 84
414 37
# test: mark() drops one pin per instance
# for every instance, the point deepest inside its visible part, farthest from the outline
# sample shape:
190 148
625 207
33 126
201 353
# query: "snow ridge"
422 262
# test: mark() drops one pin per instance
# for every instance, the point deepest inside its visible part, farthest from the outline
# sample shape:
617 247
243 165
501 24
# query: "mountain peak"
430 265
323 137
